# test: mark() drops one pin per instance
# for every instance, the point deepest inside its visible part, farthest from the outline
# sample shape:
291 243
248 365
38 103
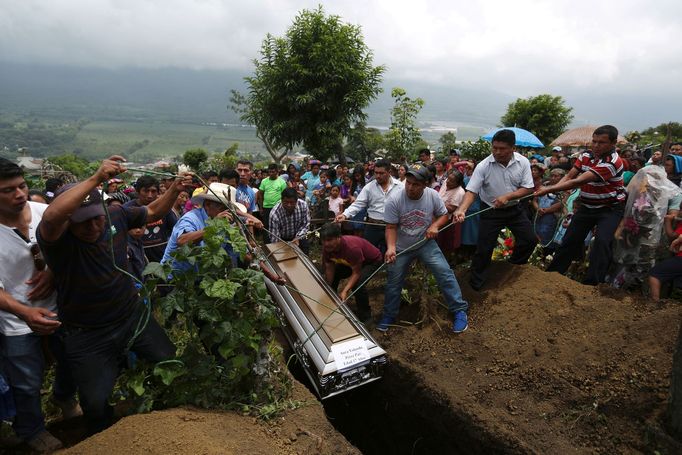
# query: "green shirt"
272 191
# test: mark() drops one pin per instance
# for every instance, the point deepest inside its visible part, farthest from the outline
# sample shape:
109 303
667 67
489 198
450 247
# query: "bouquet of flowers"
505 245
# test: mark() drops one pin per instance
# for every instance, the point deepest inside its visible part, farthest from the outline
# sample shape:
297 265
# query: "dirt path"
547 365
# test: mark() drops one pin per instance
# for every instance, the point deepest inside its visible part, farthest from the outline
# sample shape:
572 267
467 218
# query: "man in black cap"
98 304
413 218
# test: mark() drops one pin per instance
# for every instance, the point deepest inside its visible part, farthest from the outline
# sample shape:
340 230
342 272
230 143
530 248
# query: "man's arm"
356 270
55 219
329 268
303 231
460 213
160 207
34 317
503 200
432 231
360 203
190 237
584 178
391 237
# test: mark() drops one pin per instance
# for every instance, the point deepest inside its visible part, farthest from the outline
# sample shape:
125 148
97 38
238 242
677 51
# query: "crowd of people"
72 255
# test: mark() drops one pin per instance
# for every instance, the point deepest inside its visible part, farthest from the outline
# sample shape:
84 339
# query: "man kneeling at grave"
352 257
413 218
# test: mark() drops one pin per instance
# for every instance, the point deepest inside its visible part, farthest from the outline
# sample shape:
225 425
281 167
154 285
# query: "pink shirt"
451 197
336 205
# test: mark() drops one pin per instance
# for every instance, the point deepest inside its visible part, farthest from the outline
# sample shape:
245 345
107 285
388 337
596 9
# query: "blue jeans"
432 257
23 363
95 356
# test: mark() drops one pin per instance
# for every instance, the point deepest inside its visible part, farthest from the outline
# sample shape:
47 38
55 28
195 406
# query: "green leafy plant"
227 357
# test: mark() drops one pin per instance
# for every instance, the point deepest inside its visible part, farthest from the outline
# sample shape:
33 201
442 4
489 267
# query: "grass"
153 140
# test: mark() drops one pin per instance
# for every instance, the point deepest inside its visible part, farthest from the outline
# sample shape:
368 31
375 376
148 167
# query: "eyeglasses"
38 259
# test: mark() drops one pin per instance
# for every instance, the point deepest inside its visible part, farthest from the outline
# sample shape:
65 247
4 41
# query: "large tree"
311 85
545 116
447 141
403 136
363 142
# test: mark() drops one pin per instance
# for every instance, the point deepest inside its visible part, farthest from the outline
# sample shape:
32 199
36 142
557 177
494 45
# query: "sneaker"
475 286
461 322
44 442
70 408
386 321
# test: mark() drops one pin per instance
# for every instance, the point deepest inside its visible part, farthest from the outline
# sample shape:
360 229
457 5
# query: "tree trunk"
340 154
276 156
675 401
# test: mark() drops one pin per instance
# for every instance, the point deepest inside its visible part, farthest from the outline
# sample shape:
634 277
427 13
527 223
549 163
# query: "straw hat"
226 195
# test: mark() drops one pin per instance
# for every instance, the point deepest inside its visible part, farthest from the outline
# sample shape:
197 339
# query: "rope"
147 309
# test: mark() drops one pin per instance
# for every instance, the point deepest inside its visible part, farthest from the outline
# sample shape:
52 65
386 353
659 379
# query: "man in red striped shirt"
599 174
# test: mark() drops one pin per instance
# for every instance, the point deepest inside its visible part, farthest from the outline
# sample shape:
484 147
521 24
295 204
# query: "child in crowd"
335 200
321 190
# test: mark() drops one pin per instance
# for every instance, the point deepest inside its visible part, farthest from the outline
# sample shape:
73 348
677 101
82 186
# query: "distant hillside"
181 95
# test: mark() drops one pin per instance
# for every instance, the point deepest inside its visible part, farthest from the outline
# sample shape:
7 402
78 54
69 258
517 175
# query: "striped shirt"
608 190
91 292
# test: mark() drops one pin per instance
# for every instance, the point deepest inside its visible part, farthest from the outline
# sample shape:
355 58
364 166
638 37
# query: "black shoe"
365 316
474 286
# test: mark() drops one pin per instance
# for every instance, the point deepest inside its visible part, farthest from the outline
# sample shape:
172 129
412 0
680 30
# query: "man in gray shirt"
500 180
413 217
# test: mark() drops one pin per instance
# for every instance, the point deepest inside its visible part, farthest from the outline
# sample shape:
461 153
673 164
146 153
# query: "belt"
373 220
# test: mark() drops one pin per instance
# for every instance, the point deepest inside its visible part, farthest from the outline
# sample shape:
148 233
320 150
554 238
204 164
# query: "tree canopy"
447 141
194 157
403 136
311 85
545 116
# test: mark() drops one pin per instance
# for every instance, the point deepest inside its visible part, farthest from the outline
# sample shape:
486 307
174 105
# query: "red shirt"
353 251
678 231
606 191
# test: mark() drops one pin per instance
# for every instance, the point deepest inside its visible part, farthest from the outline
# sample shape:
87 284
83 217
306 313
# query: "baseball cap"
421 173
90 207
556 149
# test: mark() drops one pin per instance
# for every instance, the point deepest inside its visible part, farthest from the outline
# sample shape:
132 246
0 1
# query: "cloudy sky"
580 49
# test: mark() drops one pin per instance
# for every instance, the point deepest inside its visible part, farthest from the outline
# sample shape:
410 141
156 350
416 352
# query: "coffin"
337 352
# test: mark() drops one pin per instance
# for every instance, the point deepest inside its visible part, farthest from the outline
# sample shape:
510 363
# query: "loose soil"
547 366
195 431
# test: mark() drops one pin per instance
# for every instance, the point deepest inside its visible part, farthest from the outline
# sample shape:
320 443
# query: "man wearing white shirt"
27 312
373 197
500 180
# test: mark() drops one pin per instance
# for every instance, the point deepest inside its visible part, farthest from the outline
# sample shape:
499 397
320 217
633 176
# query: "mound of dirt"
548 365
196 431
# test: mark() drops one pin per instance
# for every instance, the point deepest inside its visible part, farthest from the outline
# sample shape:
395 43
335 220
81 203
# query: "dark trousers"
585 219
376 235
491 223
23 364
95 355
361 297
266 224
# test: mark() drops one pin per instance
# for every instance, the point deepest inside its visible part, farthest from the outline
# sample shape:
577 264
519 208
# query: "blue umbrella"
523 138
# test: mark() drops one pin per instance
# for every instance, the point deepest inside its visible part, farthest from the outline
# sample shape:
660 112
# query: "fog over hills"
184 95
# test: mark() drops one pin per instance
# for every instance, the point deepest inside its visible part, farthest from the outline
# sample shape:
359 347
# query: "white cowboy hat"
226 194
